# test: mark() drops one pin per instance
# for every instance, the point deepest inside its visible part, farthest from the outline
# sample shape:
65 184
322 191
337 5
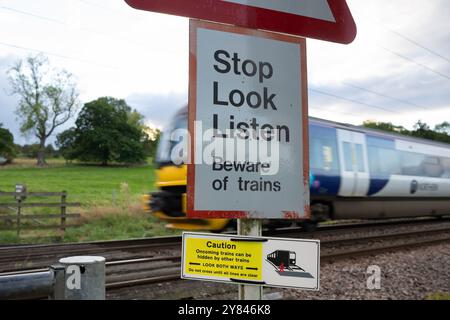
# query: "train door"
354 165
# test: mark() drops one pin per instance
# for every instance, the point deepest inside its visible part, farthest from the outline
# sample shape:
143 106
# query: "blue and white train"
364 173
355 173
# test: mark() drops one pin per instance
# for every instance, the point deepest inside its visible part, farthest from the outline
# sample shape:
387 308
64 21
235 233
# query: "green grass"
113 226
118 227
438 296
110 198
88 184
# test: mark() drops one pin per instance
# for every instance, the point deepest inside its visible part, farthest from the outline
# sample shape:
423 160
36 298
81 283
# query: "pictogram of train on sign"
285 264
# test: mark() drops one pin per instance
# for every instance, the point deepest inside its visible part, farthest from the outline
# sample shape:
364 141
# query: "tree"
443 127
106 130
385 126
151 142
29 150
7 147
420 130
48 98
66 144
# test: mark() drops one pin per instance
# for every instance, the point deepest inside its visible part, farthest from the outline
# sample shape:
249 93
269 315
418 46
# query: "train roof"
378 132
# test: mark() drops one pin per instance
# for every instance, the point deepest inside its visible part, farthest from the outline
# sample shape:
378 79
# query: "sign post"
250 227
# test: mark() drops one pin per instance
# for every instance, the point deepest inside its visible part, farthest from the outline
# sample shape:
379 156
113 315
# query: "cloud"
117 51
396 46
157 108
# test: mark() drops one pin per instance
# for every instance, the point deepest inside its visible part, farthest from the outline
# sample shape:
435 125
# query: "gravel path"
411 274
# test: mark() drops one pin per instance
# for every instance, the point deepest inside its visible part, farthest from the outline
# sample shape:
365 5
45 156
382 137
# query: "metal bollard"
84 277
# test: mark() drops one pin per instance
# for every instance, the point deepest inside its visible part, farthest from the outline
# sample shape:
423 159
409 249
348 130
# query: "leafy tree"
7 147
443 127
151 142
48 98
106 130
50 151
66 144
32 150
29 150
420 130
385 126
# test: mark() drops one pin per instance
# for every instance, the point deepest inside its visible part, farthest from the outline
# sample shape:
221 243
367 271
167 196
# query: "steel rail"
329 257
325 257
14 251
51 252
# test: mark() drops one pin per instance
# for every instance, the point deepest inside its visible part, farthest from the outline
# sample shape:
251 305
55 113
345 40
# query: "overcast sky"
396 70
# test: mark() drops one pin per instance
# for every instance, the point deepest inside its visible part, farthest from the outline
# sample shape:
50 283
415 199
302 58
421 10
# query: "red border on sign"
343 30
194 25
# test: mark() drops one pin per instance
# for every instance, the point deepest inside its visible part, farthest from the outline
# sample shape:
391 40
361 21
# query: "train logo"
285 264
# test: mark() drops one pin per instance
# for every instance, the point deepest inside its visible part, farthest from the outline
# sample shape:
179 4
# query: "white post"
250 227
84 277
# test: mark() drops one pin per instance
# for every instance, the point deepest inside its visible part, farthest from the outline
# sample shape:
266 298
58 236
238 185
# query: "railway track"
155 260
367 245
19 257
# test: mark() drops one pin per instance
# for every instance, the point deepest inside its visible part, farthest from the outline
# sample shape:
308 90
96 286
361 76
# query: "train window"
359 157
432 167
323 150
417 164
385 160
411 163
446 167
327 154
389 161
382 157
348 156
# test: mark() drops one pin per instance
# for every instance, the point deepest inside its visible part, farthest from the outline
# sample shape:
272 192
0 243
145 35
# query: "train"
286 259
355 173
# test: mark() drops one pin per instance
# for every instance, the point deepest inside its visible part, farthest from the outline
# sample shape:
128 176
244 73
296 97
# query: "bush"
7 147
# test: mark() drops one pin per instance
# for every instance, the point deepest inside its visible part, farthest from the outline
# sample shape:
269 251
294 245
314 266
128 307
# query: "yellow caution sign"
222 258
275 262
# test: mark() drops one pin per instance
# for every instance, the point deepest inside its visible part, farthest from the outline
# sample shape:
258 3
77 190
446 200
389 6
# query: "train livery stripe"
325 177
378 181
325 184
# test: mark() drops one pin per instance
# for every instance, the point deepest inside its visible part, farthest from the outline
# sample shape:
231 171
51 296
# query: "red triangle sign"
328 20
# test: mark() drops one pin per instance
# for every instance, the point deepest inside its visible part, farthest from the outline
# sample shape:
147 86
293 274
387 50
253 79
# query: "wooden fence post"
19 215
19 201
63 211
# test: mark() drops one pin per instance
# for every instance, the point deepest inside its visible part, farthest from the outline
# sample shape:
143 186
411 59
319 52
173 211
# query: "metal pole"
250 227
84 277
59 282
34 285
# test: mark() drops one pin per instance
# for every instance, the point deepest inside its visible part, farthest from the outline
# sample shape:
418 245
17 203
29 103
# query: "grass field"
89 184
109 195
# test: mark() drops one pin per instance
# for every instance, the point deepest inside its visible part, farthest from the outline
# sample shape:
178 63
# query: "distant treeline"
31 151
420 130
